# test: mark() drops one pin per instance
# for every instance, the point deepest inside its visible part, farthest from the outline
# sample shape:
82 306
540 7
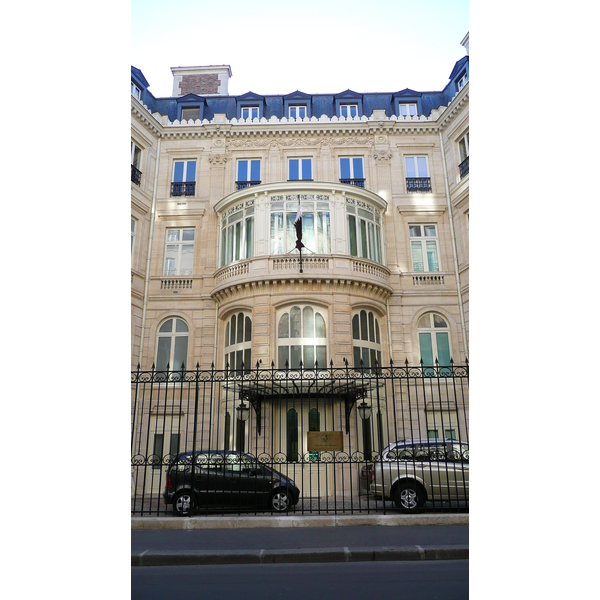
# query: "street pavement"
172 541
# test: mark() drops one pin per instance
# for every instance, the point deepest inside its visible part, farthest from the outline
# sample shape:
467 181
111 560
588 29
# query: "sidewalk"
170 541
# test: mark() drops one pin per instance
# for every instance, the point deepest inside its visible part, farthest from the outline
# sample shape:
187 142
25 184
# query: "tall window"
184 178
133 223
179 252
237 234
238 342
434 342
463 150
136 164
316 226
172 345
366 339
302 336
364 231
297 112
248 173
417 174
424 248
300 169
351 171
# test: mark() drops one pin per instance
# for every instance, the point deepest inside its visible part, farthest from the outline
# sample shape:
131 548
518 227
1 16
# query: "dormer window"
193 112
250 112
460 84
135 91
348 110
407 110
298 112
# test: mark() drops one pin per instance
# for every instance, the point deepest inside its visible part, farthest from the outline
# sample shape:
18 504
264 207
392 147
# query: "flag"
298 226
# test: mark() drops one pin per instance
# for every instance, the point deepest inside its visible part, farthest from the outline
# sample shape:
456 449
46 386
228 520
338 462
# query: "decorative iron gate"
393 437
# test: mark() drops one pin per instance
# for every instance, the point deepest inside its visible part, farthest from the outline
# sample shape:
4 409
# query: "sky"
317 46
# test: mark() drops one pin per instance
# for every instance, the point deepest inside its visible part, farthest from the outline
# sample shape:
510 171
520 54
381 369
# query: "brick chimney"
203 81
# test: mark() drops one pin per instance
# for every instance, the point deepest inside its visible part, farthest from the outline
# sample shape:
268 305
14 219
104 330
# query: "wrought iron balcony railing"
183 188
464 168
356 182
136 175
240 185
418 184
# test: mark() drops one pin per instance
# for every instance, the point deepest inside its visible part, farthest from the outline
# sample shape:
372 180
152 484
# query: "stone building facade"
382 183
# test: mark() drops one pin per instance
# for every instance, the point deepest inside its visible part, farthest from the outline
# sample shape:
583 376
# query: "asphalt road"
428 580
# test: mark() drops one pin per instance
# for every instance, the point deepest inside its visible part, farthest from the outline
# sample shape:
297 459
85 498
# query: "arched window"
302 337
366 339
434 341
238 342
172 344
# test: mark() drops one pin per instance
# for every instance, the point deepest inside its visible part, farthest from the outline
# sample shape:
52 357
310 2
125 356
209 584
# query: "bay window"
237 234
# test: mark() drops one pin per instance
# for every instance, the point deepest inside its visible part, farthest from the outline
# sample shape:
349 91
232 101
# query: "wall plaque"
325 441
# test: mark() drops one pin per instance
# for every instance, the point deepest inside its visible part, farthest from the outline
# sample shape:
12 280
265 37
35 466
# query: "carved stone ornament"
217 159
382 155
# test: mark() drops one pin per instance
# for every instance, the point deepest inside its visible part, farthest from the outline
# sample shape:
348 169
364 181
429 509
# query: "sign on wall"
325 441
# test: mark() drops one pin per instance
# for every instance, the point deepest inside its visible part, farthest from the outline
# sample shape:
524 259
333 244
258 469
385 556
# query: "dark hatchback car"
227 480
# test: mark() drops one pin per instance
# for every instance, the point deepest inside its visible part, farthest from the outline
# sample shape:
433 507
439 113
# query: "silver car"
412 472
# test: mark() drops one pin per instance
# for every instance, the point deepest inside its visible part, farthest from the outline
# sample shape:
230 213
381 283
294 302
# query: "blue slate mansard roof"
320 104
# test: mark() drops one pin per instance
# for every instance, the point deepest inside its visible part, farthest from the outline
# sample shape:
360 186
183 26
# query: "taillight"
169 482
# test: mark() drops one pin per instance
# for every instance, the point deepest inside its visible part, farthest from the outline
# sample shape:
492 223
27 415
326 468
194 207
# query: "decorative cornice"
454 108
141 113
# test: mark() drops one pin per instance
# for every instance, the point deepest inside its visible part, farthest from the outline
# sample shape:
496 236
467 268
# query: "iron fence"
319 441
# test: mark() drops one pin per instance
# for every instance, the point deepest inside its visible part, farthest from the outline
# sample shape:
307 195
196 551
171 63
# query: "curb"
241 557
246 522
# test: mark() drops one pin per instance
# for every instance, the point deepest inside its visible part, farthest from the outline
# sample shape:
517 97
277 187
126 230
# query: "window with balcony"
351 171
136 162
417 174
300 169
302 337
463 151
364 231
407 110
184 178
424 248
172 344
238 342
237 235
316 226
248 173
434 342
179 252
249 112
348 110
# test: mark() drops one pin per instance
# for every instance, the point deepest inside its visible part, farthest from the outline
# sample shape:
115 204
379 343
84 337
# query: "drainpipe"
454 252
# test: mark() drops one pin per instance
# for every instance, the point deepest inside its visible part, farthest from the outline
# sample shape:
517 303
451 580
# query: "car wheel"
409 496
182 503
280 501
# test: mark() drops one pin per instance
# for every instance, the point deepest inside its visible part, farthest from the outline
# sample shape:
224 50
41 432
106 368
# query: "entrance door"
304 467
